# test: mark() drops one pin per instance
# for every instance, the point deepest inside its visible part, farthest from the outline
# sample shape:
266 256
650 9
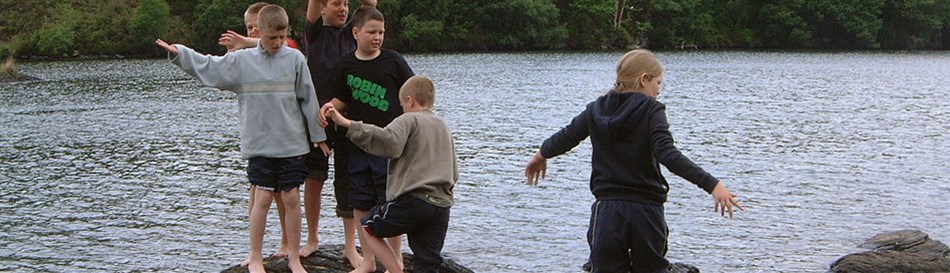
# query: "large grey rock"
906 251
329 259
674 268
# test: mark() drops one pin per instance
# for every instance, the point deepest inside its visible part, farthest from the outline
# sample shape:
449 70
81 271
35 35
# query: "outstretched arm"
334 104
170 48
234 41
337 117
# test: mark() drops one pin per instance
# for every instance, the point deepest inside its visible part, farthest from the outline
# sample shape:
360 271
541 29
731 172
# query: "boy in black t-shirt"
366 86
329 37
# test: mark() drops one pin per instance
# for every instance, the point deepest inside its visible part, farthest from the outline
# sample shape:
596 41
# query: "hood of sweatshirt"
615 113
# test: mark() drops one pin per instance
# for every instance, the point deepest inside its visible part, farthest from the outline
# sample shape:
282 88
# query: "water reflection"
130 166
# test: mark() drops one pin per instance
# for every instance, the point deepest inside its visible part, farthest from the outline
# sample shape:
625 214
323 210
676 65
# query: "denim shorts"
276 174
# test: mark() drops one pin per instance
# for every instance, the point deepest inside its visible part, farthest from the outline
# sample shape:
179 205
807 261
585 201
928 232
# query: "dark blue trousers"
626 236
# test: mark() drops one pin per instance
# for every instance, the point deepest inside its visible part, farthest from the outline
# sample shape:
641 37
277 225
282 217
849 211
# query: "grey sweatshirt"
421 152
277 104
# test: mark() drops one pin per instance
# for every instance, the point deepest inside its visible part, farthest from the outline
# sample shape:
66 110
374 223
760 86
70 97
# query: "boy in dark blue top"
329 38
366 86
630 138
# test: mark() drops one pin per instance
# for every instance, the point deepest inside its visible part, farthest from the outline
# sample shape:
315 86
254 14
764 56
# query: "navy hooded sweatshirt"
630 138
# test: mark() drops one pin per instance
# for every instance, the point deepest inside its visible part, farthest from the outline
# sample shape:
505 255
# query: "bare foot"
308 249
364 269
246 261
256 267
281 253
297 268
354 258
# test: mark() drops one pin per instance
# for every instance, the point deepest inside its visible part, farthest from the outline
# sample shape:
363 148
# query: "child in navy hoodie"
630 138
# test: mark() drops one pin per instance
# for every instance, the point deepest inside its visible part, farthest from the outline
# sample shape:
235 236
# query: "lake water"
131 166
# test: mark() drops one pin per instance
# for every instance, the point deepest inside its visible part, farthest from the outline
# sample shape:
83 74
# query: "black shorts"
276 174
367 175
424 224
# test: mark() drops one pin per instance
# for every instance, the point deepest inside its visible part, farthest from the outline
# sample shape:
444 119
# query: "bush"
421 34
7 50
58 37
148 22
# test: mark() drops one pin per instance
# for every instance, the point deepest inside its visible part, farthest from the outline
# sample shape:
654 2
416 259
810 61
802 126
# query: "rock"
899 251
329 259
674 268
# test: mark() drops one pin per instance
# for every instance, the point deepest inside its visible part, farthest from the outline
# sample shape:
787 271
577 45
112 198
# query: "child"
423 172
278 109
364 85
234 41
328 38
630 139
231 40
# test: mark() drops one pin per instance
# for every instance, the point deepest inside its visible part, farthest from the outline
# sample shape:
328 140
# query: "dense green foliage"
127 27
149 21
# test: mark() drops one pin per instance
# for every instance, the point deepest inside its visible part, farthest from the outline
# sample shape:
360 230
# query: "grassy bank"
9 72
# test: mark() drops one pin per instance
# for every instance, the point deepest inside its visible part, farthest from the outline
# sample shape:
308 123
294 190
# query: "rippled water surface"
129 165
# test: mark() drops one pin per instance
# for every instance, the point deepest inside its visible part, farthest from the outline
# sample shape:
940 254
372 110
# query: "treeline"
128 27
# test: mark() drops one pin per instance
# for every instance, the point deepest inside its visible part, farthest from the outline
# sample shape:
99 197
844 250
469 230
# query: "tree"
150 21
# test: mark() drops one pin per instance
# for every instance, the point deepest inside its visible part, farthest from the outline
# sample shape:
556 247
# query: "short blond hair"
255 8
273 17
420 88
632 66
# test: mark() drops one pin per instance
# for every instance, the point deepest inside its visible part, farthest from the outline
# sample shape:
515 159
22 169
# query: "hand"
323 147
338 118
725 200
537 169
322 118
234 41
170 48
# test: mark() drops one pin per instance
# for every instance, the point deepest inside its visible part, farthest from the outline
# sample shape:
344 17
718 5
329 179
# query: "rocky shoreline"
329 259
898 251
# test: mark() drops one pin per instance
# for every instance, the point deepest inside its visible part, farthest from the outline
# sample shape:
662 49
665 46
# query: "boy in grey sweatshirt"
277 108
423 171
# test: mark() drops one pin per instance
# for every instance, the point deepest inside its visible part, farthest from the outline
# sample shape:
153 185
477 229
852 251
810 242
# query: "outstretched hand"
725 200
234 41
170 48
337 117
537 169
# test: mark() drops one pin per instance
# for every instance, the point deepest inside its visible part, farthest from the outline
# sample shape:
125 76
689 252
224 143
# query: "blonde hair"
632 66
420 88
273 17
255 8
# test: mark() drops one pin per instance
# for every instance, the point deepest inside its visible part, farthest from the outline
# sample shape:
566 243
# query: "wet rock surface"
899 251
329 259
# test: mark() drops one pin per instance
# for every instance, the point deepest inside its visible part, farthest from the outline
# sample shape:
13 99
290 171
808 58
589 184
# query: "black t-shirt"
326 46
370 88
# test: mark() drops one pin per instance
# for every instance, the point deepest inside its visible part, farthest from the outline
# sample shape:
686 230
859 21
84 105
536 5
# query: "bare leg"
258 221
384 251
312 203
349 245
395 245
291 200
250 208
369 260
282 252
